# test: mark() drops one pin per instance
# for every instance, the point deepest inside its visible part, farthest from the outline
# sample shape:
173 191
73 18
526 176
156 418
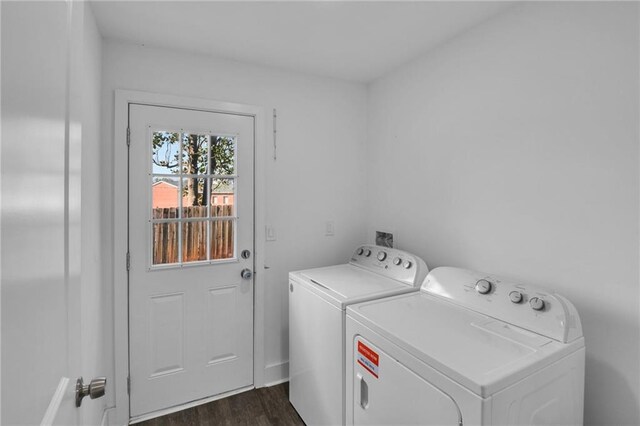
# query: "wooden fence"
194 234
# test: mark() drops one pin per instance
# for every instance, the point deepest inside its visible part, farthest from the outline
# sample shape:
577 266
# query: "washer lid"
475 350
346 284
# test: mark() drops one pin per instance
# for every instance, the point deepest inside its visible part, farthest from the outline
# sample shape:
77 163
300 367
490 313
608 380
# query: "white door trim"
120 222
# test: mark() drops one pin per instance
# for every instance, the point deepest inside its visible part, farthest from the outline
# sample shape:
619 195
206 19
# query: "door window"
193 189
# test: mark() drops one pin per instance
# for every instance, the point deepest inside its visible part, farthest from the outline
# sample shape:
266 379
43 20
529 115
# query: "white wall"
318 174
513 149
95 354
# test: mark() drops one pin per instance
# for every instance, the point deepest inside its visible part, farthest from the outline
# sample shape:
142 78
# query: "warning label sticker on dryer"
368 358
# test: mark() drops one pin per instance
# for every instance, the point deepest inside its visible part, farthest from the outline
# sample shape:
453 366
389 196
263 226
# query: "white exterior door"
191 218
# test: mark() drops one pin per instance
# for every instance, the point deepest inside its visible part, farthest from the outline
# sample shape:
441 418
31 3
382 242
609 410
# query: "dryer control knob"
483 286
407 264
382 256
397 261
515 296
536 303
360 251
367 252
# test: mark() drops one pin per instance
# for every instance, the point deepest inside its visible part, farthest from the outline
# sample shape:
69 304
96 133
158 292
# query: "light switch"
270 233
329 229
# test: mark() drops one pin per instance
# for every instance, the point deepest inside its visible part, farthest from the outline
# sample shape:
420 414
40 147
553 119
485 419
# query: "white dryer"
468 348
317 302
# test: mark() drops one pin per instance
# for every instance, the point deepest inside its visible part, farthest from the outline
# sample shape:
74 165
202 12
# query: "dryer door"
386 392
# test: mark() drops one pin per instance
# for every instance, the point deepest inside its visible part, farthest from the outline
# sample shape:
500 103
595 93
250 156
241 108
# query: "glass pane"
222 239
194 197
222 197
164 197
195 149
164 156
223 150
194 241
165 243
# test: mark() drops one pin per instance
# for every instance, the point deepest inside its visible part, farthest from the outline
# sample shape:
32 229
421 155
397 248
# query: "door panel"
166 334
190 215
40 215
222 342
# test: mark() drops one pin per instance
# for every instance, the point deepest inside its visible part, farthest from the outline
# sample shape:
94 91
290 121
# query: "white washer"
317 302
470 349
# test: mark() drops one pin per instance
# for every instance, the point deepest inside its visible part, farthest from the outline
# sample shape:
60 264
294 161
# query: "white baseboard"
275 374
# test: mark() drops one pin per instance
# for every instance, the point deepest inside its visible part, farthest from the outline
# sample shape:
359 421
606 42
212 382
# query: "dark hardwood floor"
264 406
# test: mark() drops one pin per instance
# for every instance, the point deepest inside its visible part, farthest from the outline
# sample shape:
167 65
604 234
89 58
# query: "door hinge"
128 136
275 131
129 385
128 261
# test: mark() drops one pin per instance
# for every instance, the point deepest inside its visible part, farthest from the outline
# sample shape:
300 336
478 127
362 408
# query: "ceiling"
352 40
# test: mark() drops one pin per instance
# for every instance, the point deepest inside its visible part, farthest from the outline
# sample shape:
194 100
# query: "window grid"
207 198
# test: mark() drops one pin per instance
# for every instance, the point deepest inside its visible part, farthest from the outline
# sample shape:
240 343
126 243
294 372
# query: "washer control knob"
382 256
397 261
483 286
360 251
536 303
407 264
515 296
367 252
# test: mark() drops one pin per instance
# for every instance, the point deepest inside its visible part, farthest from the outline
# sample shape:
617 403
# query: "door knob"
246 273
94 390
